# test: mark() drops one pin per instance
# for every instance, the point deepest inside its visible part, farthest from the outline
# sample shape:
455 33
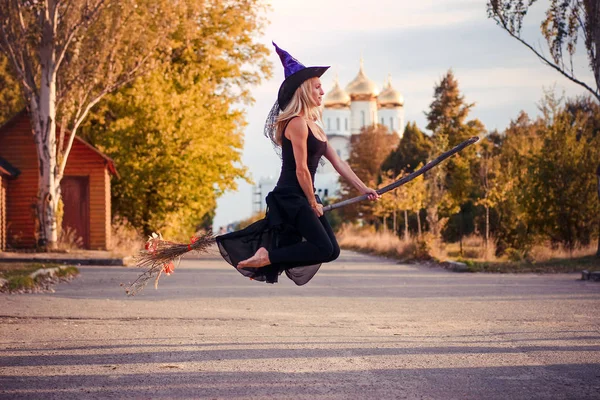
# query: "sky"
414 41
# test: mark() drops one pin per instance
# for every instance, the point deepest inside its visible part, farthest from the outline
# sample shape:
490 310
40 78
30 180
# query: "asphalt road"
364 328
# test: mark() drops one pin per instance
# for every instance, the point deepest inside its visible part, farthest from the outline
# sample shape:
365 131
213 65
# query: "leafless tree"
566 21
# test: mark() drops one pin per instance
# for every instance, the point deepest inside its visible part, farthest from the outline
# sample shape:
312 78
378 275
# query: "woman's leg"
317 248
336 248
320 245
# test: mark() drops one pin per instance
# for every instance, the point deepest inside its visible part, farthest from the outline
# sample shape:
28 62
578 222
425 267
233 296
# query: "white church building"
345 113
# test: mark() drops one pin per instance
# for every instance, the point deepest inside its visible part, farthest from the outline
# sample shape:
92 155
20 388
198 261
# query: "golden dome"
337 96
361 86
390 96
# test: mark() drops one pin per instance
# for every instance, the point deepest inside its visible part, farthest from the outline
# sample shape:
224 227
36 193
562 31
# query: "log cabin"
85 190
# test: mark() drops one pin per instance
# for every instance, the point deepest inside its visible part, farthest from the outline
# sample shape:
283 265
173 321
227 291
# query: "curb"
120 262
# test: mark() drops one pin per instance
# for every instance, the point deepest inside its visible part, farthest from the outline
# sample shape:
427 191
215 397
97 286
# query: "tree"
368 150
520 142
448 111
598 177
412 150
67 55
175 133
11 100
489 151
411 198
565 22
447 120
437 194
386 205
417 194
562 203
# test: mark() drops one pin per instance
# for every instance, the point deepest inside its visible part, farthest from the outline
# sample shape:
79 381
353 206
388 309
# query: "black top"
315 150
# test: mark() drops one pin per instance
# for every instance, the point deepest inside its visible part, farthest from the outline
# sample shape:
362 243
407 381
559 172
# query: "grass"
478 257
556 265
17 275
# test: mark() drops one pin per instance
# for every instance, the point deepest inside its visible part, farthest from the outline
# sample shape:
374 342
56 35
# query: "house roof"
8 170
108 161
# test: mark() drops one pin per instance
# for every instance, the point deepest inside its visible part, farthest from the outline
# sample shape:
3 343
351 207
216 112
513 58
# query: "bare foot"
259 259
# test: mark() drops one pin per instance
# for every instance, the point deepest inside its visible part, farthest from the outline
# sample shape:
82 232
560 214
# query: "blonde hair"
299 104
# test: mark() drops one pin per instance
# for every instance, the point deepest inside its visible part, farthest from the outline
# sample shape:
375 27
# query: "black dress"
288 213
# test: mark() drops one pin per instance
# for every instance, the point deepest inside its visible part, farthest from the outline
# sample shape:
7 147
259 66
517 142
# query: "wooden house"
85 189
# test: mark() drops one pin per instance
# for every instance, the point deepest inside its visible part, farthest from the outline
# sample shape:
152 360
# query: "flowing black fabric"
298 242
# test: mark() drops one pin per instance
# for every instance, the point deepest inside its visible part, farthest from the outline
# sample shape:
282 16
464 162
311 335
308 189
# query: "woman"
295 236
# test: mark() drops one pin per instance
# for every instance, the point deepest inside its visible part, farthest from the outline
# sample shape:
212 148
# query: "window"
382 122
362 113
338 124
325 193
346 123
392 123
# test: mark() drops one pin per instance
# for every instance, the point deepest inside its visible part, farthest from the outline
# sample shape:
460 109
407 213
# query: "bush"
67 271
20 282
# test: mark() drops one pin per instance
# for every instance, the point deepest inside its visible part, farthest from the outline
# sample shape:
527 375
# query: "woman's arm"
297 132
346 172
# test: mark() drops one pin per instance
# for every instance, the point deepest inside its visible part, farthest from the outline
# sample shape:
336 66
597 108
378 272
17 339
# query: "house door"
76 201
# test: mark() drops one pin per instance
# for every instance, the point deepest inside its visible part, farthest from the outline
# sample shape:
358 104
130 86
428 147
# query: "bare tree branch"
553 65
83 21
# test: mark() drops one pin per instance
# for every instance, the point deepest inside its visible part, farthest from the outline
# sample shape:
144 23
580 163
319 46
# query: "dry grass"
546 252
68 240
387 244
125 239
474 248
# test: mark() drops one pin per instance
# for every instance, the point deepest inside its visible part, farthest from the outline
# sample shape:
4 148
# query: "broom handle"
407 178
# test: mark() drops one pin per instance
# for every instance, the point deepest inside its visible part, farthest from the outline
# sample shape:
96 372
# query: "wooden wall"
85 162
3 184
18 148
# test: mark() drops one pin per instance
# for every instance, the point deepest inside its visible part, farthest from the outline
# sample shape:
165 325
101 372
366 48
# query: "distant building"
347 111
260 192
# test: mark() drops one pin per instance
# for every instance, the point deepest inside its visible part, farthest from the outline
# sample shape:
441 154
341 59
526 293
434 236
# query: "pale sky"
414 41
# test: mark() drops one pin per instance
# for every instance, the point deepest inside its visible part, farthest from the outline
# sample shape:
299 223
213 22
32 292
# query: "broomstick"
159 254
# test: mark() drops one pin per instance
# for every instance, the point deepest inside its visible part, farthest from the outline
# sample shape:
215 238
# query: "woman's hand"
318 209
372 194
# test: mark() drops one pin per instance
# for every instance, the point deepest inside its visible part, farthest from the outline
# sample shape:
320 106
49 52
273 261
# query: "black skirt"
274 231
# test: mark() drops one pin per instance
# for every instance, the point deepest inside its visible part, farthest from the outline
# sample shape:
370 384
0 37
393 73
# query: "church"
346 112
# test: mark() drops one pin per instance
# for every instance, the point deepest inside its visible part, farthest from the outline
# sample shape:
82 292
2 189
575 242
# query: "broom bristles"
162 253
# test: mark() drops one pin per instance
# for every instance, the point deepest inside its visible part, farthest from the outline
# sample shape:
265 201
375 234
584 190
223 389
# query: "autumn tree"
489 171
66 56
387 205
565 23
176 134
11 100
413 149
562 204
368 151
520 142
447 119
416 191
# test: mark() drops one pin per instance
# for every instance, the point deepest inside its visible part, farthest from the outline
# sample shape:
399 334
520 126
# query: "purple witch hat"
295 74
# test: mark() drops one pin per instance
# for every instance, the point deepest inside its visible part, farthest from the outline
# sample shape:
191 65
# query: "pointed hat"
295 74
